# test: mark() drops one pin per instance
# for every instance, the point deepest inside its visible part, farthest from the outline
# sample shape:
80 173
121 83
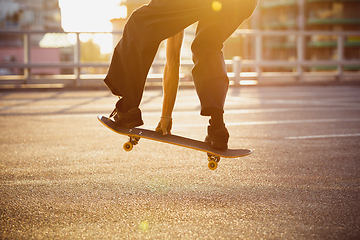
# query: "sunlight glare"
71 37
104 40
100 38
91 16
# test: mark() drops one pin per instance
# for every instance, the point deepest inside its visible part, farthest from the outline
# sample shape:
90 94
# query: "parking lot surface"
63 175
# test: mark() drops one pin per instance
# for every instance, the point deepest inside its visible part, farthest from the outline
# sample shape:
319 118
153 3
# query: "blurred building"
313 15
32 15
286 15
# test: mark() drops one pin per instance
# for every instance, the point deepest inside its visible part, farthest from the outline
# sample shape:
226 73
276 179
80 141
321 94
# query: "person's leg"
209 72
144 31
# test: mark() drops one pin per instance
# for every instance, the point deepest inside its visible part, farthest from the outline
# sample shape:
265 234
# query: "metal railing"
300 62
237 76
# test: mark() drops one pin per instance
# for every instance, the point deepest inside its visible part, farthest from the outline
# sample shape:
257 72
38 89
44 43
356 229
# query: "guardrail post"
300 55
27 57
237 70
258 55
340 53
77 59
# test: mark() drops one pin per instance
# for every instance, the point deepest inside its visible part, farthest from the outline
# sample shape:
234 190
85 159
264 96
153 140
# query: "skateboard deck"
135 134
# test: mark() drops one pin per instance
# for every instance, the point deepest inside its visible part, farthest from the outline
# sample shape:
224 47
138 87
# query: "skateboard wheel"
212 165
128 146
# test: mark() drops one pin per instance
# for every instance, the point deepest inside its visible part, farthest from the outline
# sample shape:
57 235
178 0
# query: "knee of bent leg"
250 6
137 21
134 18
206 49
207 42
244 8
144 21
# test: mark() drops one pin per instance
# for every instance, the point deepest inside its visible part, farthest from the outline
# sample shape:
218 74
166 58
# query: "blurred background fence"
58 59
59 43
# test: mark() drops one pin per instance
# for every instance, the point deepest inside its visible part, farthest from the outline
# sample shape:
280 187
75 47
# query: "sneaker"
218 138
129 119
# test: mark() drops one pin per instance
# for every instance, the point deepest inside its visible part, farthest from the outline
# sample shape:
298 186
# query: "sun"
92 16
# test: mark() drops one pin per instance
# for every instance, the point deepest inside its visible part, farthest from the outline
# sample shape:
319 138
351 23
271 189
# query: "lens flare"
216 6
144 226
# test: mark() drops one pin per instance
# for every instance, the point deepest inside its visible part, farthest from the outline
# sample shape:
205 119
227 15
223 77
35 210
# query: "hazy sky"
90 15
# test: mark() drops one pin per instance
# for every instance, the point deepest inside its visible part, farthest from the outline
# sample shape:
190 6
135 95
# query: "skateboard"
135 134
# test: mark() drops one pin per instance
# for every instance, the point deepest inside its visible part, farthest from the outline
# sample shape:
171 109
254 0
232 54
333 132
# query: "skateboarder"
161 19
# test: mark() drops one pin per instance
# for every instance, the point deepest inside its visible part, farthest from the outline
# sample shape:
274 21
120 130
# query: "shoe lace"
113 113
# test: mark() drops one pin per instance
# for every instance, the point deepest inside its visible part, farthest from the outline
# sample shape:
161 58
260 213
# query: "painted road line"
332 120
324 136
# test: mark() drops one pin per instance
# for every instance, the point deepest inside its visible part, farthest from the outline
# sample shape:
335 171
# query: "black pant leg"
143 33
209 72
151 24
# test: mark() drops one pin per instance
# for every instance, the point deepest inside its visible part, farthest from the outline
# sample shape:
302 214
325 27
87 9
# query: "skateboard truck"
213 161
128 146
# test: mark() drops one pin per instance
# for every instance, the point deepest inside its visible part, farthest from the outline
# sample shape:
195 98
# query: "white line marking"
324 136
293 121
277 122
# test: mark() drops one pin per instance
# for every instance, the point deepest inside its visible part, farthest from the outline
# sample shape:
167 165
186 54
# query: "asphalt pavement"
63 175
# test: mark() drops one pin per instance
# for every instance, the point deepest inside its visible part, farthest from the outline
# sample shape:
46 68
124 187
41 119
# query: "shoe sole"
216 145
130 125
219 146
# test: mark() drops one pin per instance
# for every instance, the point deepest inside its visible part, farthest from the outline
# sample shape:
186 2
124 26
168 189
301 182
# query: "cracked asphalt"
65 176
